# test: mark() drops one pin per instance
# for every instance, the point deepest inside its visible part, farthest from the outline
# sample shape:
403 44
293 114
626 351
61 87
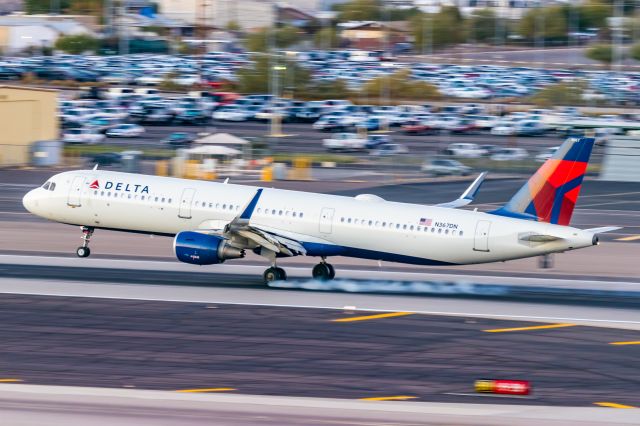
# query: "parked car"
179 139
345 142
388 149
468 150
510 154
419 127
125 131
82 136
445 167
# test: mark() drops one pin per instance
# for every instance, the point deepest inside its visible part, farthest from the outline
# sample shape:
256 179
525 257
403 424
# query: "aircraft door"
186 200
75 191
481 239
326 220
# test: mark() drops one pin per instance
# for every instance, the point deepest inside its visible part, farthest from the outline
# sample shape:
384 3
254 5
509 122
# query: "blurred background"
384 90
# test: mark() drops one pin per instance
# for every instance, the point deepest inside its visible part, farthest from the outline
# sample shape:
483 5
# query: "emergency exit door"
326 220
481 240
186 200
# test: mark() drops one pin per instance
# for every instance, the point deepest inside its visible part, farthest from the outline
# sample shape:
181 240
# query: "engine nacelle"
203 249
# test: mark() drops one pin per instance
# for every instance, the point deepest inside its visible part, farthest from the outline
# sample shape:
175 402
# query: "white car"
546 154
467 150
504 129
84 136
345 142
510 154
187 80
125 131
233 114
150 79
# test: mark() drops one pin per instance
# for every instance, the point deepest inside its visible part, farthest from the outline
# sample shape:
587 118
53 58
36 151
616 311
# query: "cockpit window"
49 186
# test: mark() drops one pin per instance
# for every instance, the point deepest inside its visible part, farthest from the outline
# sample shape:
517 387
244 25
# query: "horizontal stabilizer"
468 195
602 229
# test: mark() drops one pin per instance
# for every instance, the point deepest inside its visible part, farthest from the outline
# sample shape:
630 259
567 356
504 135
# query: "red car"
418 128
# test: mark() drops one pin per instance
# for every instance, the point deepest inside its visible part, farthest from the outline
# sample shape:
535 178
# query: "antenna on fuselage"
95 167
226 181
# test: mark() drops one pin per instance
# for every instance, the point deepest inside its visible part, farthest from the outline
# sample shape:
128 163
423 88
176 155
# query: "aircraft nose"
29 200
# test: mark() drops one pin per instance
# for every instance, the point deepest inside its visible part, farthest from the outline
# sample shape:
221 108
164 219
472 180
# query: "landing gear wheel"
274 274
83 251
323 272
332 271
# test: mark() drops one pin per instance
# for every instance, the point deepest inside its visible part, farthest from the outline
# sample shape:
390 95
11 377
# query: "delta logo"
120 186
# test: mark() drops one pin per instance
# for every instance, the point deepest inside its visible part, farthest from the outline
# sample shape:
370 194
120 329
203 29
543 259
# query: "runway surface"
271 350
33 405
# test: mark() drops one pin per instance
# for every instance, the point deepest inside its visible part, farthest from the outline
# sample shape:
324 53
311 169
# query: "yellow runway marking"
389 398
10 380
535 327
370 317
205 390
613 405
629 238
625 343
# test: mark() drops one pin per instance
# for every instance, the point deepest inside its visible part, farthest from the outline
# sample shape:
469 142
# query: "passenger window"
460 234
273 212
129 196
418 229
370 222
102 193
384 224
280 213
433 230
349 220
203 204
224 207
446 232
259 210
301 214
156 199
109 194
95 192
404 226
439 230
411 228
294 215
142 197
397 226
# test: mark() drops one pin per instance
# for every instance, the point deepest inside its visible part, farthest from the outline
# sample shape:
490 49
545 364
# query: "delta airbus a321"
213 222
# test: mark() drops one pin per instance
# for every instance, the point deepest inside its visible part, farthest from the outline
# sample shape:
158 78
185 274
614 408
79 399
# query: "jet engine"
203 249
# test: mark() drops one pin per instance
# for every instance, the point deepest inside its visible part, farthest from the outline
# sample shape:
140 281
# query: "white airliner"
212 222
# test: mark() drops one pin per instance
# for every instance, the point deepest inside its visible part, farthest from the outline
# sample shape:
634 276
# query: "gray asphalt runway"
304 352
35 405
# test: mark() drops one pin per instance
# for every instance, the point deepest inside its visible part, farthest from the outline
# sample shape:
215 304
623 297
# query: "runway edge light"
504 387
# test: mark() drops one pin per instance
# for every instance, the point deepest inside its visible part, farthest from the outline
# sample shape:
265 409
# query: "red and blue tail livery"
551 193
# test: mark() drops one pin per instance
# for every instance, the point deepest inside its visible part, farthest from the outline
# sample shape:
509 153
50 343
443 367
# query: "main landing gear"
323 271
274 274
84 250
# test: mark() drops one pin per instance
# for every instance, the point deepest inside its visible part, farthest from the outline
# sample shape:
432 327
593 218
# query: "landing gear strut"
83 250
323 271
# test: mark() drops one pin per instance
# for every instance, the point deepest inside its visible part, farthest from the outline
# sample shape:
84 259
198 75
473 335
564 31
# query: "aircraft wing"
241 233
468 195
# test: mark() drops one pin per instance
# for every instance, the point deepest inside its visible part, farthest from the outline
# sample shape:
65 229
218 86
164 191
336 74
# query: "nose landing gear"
84 250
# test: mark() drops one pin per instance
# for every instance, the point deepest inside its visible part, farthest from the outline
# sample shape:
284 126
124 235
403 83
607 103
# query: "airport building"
27 115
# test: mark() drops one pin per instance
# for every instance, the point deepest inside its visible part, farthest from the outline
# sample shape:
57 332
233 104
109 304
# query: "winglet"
468 195
248 210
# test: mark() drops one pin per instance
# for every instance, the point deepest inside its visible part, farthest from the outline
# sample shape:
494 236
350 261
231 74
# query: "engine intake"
202 249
